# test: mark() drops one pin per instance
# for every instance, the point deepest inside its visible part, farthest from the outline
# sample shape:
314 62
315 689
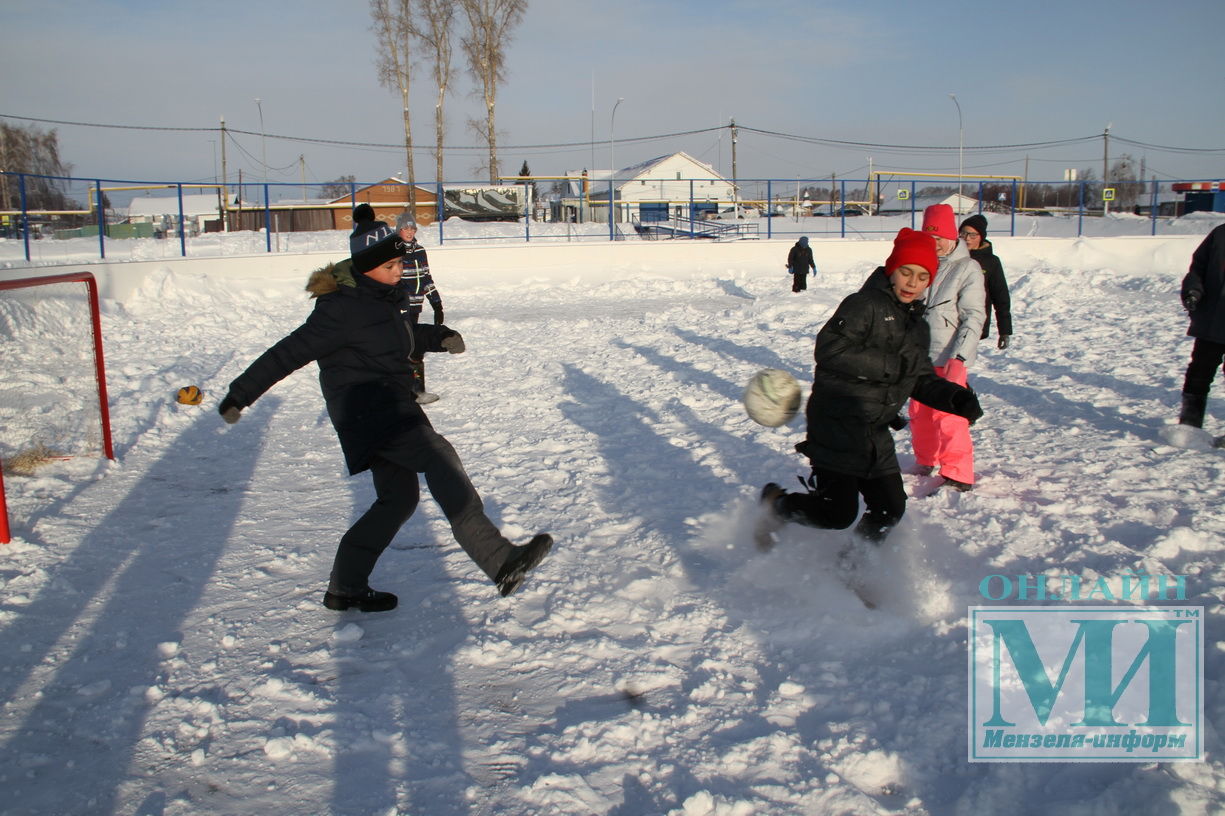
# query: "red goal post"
99 366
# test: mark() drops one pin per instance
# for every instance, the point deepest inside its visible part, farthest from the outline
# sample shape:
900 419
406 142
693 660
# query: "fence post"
182 223
101 219
25 215
769 200
1080 211
267 220
1012 209
842 204
1152 210
438 211
527 213
692 213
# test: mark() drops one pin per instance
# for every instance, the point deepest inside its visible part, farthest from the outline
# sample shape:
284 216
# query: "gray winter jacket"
956 307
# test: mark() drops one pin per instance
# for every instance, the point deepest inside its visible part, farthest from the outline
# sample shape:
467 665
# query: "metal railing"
272 216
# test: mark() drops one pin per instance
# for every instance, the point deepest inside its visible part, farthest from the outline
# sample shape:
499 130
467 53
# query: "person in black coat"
417 281
974 232
359 336
871 356
1203 296
799 261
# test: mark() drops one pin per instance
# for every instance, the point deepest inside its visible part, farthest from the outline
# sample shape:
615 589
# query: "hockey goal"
53 390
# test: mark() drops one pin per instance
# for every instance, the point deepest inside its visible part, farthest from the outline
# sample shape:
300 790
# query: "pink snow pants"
942 440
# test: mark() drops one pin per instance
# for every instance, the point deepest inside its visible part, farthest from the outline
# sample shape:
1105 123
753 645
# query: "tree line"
410 33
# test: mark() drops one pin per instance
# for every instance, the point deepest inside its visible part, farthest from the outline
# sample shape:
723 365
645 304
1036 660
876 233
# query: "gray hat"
405 220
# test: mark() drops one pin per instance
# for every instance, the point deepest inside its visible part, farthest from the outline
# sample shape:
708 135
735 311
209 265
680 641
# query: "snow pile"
167 651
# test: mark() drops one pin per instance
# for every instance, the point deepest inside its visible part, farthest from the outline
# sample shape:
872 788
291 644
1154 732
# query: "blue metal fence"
571 212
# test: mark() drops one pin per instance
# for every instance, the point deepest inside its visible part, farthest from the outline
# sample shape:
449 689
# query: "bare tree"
435 35
37 153
489 26
338 187
393 29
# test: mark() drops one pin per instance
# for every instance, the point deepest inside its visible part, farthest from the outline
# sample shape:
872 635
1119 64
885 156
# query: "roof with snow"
193 204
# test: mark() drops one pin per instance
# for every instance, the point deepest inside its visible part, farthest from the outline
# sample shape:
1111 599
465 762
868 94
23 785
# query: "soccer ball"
772 397
190 395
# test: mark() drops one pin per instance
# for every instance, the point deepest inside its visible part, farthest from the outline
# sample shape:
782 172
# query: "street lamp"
612 132
612 155
961 147
263 145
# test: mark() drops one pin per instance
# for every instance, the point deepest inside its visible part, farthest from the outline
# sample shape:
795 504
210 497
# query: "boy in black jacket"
871 356
363 344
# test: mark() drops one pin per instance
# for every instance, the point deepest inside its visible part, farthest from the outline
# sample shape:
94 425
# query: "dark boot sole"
340 603
524 560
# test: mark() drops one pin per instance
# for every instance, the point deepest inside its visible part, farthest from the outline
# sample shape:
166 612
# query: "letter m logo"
1101 692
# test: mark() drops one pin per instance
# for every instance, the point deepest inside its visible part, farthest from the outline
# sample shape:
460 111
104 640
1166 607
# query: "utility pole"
871 189
1105 167
1025 182
225 184
735 188
302 167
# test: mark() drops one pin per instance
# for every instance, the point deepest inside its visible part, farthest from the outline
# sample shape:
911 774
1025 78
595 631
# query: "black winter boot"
1193 406
365 599
520 561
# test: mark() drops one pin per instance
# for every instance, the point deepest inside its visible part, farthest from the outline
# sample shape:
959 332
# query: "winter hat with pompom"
912 247
374 246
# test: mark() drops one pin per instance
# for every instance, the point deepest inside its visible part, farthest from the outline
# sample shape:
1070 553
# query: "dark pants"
800 282
834 503
1206 358
395 467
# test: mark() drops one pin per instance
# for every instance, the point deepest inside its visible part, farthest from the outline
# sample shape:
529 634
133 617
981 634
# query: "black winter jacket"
871 357
1206 280
997 289
362 342
800 260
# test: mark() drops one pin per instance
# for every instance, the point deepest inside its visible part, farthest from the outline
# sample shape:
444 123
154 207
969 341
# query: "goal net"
53 387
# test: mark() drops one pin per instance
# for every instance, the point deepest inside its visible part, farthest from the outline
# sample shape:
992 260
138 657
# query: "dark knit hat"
938 219
373 244
911 247
978 223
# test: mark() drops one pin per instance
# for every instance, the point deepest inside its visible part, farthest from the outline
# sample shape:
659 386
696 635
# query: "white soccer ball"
772 397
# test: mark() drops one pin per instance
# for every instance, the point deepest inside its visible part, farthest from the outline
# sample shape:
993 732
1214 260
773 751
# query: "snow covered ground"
166 652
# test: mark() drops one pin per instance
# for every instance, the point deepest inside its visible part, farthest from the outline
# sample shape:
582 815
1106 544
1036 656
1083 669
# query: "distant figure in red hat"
956 311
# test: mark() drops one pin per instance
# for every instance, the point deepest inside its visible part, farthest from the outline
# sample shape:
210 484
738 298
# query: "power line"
839 143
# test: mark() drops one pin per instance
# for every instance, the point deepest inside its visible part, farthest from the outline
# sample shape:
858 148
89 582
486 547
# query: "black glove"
438 321
453 343
965 404
229 409
1190 301
1002 343
898 423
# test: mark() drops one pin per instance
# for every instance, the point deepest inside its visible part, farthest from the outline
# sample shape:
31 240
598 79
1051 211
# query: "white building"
961 204
163 211
654 190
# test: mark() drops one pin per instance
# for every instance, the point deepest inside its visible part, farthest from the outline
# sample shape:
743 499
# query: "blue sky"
872 73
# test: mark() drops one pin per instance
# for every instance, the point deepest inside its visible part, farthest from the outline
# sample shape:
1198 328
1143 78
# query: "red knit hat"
910 247
938 219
